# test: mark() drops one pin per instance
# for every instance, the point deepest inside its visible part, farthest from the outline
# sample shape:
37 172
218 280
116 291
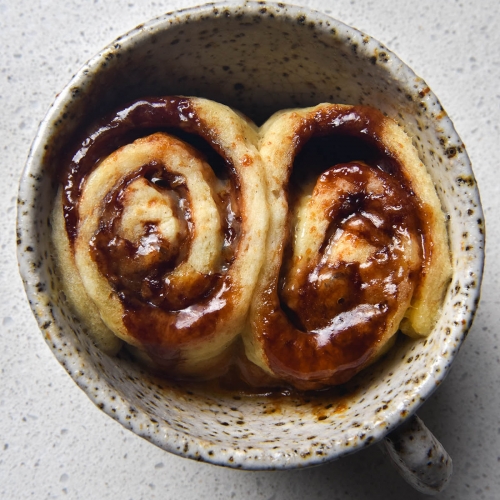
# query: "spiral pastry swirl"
180 226
156 243
356 247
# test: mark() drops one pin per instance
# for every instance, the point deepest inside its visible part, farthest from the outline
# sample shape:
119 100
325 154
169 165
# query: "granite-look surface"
54 443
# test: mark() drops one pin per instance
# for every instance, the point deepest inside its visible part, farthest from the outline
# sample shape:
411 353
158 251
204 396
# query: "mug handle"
418 456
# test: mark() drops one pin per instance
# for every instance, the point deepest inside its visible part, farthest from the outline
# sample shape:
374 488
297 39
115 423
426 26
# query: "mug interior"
257 58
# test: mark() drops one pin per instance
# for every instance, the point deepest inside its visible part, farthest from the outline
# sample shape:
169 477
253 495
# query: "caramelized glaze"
323 318
338 311
135 120
160 316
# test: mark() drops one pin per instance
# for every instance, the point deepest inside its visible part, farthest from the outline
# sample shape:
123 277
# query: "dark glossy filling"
143 117
328 324
343 304
152 306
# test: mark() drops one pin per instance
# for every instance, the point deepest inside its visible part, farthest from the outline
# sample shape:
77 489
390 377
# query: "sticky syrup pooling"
318 317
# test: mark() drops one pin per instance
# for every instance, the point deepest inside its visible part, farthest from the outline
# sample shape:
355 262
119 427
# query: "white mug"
259 58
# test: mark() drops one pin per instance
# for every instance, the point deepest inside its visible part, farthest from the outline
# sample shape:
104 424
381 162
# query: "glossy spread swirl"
181 226
163 247
356 245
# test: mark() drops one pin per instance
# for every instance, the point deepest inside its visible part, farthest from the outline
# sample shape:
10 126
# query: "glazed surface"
313 241
356 249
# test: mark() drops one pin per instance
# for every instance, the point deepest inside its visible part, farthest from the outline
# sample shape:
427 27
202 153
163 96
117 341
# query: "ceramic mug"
260 58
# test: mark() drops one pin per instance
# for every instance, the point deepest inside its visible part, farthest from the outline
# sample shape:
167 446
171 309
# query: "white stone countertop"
54 443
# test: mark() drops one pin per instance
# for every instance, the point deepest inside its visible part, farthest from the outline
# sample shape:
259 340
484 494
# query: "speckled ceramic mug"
260 58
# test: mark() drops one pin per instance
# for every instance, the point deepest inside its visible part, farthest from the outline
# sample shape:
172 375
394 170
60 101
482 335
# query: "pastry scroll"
356 248
157 245
180 226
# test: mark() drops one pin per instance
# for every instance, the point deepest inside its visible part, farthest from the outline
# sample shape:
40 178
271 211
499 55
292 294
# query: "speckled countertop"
54 443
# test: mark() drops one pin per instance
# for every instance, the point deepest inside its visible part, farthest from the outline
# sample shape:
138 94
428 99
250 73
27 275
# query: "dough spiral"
158 244
180 226
355 248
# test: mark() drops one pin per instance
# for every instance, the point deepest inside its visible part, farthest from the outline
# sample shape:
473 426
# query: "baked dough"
162 248
314 238
352 254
